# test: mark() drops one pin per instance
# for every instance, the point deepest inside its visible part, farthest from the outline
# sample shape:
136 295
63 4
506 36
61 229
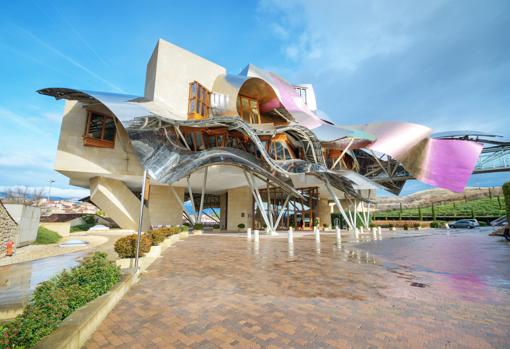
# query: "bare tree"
24 195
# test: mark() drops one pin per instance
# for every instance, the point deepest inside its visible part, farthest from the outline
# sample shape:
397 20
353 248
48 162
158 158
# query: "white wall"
171 69
27 218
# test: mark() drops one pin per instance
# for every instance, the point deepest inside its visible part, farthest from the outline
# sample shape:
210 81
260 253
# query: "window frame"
200 101
240 98
99 142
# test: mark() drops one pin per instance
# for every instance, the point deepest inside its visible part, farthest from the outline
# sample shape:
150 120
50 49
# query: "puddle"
18 281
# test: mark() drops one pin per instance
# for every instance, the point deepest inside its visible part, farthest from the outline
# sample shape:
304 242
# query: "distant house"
8 229
63 222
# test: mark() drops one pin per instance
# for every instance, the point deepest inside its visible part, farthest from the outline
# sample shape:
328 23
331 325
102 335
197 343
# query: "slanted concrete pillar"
164 208
240 207
118 202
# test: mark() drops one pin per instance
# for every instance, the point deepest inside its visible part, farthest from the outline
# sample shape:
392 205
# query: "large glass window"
199 101
100 131
248 109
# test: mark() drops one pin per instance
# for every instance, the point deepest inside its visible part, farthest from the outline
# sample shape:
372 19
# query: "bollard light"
256 235
248 233
317 234
338 237
291 236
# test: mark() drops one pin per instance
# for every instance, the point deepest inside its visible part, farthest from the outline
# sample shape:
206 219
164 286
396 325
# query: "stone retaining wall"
8 229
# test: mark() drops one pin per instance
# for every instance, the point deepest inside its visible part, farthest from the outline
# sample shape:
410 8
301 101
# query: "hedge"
57 298
126 246
506 194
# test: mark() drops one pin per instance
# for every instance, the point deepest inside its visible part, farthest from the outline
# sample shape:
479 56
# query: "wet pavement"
18 281
467 263
226 292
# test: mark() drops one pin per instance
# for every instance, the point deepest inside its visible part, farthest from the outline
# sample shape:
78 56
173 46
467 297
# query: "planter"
77 328
155 251
197 232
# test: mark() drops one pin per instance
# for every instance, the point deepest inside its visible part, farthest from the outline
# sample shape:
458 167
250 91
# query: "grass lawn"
46 236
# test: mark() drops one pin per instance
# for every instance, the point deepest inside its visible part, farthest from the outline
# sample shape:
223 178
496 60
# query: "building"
249 144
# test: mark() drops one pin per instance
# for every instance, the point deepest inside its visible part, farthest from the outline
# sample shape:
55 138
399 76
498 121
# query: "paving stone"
219 292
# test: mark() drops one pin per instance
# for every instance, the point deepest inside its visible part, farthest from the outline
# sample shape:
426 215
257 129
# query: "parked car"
475 221
464 223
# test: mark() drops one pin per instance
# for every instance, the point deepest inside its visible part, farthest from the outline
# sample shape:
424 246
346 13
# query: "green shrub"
186 224
57 298
89 219
216 226
46 236
184 228
483 224
157 236
198 226
126 246
81 227
241 225
506 195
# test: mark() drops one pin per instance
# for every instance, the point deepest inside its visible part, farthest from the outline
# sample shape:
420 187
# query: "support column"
118 202
240 206
324 212
165 206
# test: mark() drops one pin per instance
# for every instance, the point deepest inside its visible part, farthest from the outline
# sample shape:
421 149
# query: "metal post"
140 221
51 181
190 192
199 216
337 202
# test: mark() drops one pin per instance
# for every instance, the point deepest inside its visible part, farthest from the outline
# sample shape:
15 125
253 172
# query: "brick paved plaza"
225 292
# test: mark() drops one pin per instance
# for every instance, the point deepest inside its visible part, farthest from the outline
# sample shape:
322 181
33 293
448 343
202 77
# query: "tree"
433 212
24 195
420 214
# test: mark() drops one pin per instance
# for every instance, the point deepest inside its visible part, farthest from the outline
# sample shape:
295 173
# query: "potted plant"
241 226
197 229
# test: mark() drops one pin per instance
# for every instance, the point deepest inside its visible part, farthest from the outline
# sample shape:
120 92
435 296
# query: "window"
279 149
199 101
301 91
100 131
248 109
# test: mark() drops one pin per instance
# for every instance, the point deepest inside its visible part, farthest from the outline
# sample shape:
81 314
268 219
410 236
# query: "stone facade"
8 229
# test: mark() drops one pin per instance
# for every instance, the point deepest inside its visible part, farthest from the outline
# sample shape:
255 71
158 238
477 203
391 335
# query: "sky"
444 64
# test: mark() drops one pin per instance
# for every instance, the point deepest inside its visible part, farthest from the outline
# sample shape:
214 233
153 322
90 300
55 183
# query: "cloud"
27 123
445 64
70 193
17 159
69 59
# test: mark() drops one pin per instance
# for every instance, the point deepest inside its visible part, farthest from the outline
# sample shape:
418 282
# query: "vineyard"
486 207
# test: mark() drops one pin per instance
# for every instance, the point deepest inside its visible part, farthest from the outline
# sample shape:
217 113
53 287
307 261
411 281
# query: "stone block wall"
8 229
